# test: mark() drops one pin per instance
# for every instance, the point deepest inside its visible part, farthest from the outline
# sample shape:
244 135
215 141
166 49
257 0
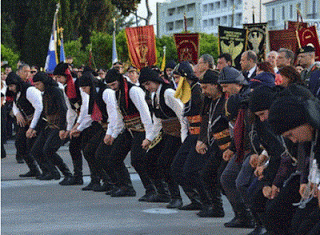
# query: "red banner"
309 36
141 46
283 39
297 25
187 46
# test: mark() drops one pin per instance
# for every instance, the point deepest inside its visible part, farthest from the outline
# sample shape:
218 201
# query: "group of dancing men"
207 129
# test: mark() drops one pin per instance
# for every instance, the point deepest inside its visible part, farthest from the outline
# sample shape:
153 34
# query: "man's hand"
145 144
254 160
259 172
74 133
62 134
31 133
108 140
20 120
267 192
274 191
201 147
302 190
227 155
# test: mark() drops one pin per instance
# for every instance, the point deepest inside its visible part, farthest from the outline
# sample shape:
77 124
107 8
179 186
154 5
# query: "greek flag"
62 55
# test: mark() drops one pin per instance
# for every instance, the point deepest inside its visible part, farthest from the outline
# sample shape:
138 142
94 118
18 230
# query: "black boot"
243 219
211 211
162 194
259 229
106 186
50 173
34 171
95 182
150 192
175 203
195 204
124 191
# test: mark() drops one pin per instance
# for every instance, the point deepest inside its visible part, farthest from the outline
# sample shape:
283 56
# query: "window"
181 10
211 22
190 22
191 7
211 7
283 12
169 26
205 24
291 12
273 14
171 11
179 24
205 7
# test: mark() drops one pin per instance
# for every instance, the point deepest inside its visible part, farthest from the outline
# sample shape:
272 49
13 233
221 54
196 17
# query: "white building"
170 16
280 11
207 15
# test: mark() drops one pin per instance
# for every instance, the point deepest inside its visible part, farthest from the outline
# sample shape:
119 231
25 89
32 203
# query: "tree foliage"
8 55
126 6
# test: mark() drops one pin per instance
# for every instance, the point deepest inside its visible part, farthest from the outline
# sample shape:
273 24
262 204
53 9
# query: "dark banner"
187 46
309 36
232 41
283 39
256 39
141 46
296 25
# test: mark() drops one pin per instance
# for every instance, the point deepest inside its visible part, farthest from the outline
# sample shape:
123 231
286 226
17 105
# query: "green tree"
209 45
74 48
126 6
171 50
8 55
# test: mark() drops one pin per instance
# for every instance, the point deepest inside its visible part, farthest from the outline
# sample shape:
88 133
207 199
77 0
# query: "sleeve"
137 96
34 96
115 119
177 106
71 113
84 119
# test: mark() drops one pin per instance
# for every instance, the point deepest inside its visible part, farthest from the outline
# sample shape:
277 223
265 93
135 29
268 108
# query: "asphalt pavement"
30 206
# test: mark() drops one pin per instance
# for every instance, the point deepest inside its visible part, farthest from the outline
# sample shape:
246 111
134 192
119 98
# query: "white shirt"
84 119
176 105
115 119
71 113
251 71
137 96
34 96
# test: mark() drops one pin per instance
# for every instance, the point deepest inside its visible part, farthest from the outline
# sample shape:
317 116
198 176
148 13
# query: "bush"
8 55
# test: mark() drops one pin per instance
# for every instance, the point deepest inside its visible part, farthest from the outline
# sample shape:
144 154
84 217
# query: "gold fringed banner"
141 46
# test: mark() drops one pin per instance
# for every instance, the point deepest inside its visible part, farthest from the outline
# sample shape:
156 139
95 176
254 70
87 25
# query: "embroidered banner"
187 45
296 24
232 41
256 39
307 36
283 39
141 46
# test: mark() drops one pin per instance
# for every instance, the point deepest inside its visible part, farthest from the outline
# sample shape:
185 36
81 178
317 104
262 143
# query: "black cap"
261 98
287 113
211 76
60 69
113 75
45 79
148 74
184 69
86 79
13 78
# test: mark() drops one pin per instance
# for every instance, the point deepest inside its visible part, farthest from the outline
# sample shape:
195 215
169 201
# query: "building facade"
206 15
170 16
281 11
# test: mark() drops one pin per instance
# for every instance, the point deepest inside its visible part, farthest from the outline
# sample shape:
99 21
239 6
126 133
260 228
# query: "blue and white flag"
52 56
62 55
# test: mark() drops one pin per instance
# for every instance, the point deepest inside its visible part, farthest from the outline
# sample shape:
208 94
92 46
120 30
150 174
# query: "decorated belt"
134 124
194 119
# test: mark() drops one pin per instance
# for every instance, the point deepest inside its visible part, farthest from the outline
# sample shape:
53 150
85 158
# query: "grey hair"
288 54
208 59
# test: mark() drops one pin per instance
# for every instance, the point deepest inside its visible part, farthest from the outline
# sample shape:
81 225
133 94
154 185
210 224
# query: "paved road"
37 207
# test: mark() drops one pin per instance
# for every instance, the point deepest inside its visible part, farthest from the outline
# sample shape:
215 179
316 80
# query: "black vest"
125 103
23 103
194 106
163 111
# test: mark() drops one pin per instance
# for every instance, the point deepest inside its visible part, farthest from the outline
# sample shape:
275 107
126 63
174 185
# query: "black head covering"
211 76
184 69
60 69
261 99
14 79
45 79
87 79
148 74
113 75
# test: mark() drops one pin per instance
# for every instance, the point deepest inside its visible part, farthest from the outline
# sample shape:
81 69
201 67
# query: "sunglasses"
33 71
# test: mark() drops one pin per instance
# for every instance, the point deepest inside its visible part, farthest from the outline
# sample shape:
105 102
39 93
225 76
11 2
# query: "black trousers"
190 171
159 160
45 147
24 146
76 155
279 211
125 142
